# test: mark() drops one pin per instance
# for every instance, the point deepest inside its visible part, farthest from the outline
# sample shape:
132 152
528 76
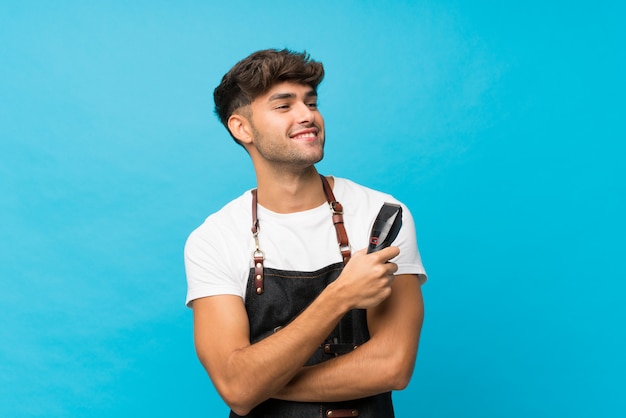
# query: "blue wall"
500 124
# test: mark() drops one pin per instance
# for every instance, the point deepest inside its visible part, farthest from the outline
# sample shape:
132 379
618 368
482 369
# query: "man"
272 274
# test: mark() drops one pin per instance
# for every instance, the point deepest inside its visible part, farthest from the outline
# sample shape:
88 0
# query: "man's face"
288 128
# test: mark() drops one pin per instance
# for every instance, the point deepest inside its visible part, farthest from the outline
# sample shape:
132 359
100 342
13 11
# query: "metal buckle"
334 209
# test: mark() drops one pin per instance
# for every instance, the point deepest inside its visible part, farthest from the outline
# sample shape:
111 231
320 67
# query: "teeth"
307 135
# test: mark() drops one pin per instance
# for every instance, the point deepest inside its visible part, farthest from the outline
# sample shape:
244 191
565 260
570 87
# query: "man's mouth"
308 134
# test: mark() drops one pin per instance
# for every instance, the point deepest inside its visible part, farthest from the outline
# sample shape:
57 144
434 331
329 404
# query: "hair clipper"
386 227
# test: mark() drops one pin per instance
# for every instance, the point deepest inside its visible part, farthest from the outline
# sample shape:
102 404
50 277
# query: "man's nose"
304 113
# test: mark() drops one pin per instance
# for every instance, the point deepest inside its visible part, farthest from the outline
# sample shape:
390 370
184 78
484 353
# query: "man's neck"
288 192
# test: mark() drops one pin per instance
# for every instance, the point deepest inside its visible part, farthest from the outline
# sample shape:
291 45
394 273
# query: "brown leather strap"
337 210
255 219
342 413
257 255
342 235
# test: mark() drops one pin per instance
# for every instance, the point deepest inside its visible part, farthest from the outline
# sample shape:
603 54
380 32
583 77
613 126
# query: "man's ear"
240 128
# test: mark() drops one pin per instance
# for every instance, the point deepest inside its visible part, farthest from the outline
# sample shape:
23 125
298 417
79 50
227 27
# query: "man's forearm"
351 376
383 363
251 374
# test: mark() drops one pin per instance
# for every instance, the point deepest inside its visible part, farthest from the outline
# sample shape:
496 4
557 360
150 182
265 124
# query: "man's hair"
256 74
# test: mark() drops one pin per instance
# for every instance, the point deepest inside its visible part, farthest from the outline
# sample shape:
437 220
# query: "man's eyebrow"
282 96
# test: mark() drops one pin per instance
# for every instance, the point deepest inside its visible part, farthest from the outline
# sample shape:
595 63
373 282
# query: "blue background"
500 124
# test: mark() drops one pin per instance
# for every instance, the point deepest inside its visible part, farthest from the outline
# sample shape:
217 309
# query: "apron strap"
337 210
257 255
342 235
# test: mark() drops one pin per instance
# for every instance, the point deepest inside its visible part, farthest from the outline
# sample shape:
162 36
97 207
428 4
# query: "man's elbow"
235 393
239 410
401 371
237 400
401 380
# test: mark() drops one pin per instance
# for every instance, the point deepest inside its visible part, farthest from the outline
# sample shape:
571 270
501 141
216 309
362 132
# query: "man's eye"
312 105
284 106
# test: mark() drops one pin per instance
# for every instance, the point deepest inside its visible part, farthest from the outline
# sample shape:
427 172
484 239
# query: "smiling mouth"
306 134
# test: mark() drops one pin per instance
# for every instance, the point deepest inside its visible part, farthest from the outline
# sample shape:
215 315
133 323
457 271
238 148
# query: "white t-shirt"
218 254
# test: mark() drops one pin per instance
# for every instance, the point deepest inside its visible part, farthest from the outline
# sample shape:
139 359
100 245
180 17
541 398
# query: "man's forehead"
288 90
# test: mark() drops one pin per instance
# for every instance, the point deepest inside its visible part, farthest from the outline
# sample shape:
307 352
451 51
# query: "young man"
272 274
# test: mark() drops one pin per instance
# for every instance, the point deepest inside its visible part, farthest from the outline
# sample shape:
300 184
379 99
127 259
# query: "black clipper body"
386 227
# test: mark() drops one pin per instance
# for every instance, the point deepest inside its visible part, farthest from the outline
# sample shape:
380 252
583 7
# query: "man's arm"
382 364
247 374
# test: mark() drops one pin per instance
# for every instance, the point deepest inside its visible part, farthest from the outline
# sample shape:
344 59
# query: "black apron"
274 297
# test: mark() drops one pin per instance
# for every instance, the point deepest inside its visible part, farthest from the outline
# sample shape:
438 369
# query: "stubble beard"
286 153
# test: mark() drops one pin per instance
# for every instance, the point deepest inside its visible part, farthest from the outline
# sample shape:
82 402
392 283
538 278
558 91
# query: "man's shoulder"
353 190
234 215
237 207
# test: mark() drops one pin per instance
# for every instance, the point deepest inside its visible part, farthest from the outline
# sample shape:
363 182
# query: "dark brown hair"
257 73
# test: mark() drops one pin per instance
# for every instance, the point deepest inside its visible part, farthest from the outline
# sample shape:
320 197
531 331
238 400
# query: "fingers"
381 256
367 278
386 254
391 269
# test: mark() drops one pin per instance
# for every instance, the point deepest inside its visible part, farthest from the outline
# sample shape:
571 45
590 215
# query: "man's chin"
319 158
312 160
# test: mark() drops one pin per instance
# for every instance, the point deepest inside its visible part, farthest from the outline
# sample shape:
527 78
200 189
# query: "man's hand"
366 280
